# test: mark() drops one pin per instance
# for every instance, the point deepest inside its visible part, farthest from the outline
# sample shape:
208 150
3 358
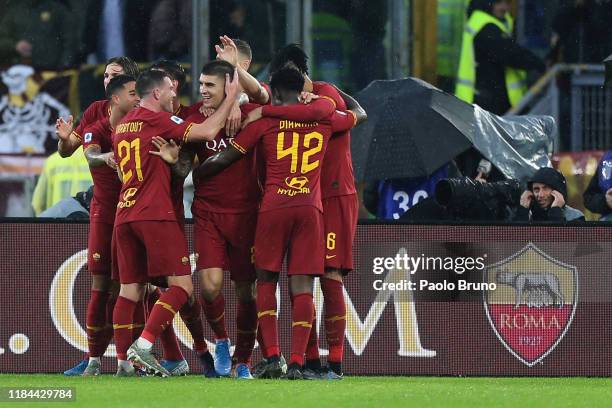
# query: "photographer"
545 199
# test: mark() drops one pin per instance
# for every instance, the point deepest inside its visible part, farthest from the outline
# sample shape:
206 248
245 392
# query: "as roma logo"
534 303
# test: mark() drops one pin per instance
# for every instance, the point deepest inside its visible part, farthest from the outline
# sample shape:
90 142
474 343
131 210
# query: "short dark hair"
129 67
117 83
148 80
243 47
173 69
290 53
218 68
288 79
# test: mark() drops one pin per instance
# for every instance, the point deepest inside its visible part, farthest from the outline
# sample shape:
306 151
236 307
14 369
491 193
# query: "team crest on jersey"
185 260
87 137
96 257
534 303
176 119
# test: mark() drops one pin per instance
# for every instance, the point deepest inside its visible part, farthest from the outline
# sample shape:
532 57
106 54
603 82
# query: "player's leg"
191 313
246 328
302 315
167 256
267 282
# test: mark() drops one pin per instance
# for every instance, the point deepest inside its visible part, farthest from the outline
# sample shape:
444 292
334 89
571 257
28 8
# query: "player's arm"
217 163
319 109
95 157
208 129
353 106
248 82
180 160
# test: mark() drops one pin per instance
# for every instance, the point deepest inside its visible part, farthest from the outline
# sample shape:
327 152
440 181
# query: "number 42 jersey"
145 191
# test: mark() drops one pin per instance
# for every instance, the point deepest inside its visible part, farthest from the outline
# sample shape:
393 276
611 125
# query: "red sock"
140 317
246 328
108 331
266 317
312 348
302 316
215 314
170 346
123 316
96 322
162 315
335 318
260 341
192 316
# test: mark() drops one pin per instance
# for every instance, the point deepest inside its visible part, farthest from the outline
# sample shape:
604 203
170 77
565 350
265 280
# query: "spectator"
37 33
74 208
598 195
491 69
59 179
545 199
170 30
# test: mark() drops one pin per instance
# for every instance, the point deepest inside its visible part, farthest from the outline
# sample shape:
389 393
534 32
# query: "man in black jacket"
598 195
545 198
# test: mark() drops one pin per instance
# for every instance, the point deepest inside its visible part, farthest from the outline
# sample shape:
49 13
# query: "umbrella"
608 66
413 129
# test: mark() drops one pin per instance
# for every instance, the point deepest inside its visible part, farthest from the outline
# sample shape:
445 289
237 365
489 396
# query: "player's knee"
333 274
132 291
266 276
245 291
101 283
301 284
183 282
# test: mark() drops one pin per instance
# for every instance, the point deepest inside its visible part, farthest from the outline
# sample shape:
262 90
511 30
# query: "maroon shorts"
151 249
225 241
340 219
99 254
295 231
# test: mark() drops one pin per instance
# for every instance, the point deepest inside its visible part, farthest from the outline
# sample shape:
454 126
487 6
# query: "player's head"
212 82
245 54
291 55
174 70
498 8
156 87
286 85
117 66
121 91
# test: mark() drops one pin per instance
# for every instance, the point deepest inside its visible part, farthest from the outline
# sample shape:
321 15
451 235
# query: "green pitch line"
379 392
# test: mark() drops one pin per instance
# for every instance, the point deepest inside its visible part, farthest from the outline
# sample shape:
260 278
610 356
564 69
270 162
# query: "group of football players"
273 182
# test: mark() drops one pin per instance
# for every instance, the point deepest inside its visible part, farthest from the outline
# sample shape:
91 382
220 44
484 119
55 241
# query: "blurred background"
52 55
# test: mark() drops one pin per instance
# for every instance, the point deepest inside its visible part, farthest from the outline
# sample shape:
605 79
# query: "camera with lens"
467 199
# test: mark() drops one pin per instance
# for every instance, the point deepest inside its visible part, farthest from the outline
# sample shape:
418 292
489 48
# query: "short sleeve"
343 120
92 137
248 137
172 127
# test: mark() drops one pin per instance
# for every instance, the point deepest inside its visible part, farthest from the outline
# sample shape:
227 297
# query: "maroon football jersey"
98 110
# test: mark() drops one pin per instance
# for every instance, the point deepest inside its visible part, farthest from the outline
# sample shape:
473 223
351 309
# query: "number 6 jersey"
145 191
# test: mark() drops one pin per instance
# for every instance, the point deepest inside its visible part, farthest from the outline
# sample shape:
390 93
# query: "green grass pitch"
379 392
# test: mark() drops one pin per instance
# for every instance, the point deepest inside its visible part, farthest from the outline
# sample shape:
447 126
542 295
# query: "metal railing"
583 109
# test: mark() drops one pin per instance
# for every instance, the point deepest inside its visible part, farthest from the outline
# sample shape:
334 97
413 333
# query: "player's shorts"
295 231
225 241
151 249
340 219
99 256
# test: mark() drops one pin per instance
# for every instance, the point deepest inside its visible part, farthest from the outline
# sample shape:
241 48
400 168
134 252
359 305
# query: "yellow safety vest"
516 84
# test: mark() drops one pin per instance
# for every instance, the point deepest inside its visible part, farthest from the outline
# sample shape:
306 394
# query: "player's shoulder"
98 108
326 89
248 107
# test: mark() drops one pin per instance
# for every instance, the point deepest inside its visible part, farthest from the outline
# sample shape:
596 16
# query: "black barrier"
424 299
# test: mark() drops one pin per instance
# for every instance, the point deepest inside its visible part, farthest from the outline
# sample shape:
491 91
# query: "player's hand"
168 151
253 115
63 129
609 197
232 124
526 199
109 159
232 87
206 111
228 51
558 201
307 97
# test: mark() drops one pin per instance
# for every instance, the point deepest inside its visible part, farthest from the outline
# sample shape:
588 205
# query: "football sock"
163 313
170 345
312 348
302 316
335 318
215 314
96 323
260 341
313 365
108 330
139 320
122 325
246 328
192 316
266 317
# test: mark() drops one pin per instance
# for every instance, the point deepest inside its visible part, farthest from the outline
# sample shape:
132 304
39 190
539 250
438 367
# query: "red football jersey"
337 177
106 183
145 193
98 110
293 152
234 190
